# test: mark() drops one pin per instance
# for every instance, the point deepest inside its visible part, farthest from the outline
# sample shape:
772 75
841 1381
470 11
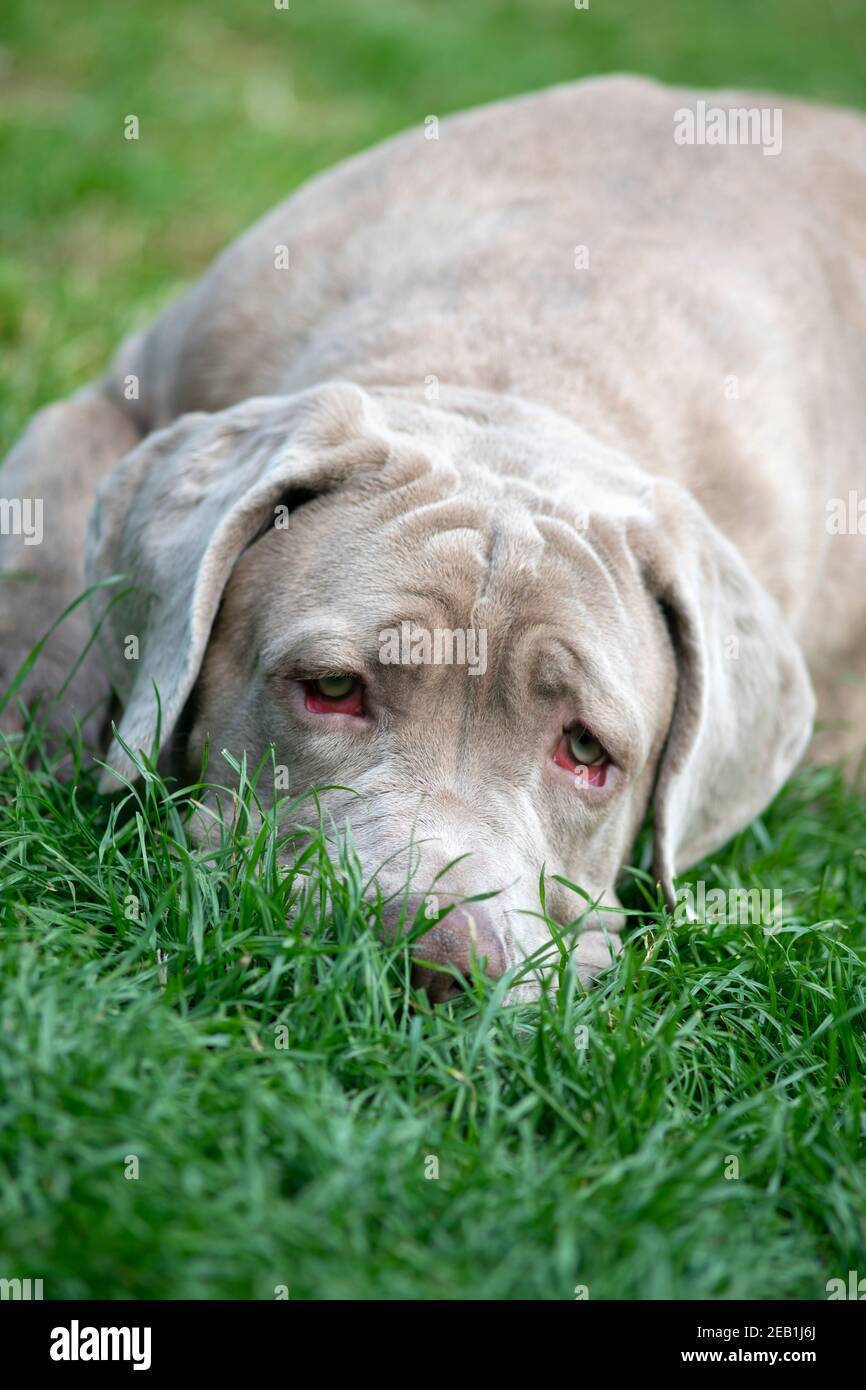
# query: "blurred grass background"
239 101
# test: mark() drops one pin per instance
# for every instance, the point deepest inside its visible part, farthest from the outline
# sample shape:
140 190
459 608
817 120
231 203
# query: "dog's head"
506 641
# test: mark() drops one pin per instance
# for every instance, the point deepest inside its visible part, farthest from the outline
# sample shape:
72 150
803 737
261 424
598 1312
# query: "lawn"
198 1100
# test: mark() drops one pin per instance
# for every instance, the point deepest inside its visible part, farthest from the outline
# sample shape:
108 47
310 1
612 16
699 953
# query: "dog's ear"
175 515
744 703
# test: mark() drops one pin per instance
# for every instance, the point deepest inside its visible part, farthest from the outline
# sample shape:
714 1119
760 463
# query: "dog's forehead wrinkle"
498 552
515 553
427 462
440 507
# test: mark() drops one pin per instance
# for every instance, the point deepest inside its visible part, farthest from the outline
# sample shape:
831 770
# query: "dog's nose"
466 936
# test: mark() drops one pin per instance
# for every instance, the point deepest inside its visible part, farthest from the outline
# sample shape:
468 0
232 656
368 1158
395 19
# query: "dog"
552 385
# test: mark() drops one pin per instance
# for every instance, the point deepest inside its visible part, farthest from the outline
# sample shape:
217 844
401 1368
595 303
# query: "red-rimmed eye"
580 752
334 695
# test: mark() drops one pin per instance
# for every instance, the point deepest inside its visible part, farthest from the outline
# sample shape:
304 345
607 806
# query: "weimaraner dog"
507 477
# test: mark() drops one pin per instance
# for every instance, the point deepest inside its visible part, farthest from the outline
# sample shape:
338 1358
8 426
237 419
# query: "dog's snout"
465 937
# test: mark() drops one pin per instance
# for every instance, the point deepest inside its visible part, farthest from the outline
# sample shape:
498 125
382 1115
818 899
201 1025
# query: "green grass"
143 980
283 1092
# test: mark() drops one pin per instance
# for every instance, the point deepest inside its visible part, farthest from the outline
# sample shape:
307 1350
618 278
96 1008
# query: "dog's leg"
47 487
841 736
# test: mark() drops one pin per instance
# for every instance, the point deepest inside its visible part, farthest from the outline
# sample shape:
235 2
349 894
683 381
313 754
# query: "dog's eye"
580 753
335 695
334 687
584 747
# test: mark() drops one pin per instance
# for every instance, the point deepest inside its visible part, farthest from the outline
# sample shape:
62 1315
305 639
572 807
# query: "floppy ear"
744 703
175 515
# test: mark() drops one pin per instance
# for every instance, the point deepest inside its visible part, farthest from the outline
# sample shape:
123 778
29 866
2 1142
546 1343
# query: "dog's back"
701 306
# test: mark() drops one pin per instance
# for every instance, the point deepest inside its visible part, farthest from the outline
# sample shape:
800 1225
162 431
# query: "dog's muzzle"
464 938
